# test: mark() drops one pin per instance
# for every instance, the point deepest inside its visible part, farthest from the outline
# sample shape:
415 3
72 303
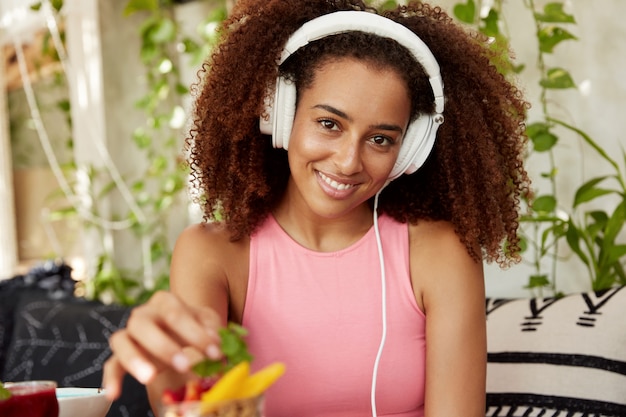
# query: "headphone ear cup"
266 121
284 111
416 146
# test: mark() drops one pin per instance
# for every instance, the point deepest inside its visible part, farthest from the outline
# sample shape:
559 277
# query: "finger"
196 327
166 326
112 378
210 322
133 358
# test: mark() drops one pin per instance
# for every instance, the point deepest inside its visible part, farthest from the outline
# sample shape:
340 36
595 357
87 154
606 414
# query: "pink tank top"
320 314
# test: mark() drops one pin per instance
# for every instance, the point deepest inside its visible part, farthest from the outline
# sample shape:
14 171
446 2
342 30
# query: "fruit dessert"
224 388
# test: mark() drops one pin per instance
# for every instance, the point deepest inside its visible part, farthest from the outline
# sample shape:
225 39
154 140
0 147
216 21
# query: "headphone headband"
414 149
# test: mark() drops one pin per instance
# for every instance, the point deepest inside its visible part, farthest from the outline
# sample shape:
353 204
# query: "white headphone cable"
383 282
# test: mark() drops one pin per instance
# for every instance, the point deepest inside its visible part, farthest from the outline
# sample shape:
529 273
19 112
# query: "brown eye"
382 140
328 124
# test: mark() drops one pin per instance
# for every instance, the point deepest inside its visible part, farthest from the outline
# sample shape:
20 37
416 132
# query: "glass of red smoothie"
30 399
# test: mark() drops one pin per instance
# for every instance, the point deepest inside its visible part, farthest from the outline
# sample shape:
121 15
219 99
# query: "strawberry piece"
172 396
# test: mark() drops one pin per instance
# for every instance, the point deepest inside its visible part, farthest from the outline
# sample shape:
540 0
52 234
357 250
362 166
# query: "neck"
320 233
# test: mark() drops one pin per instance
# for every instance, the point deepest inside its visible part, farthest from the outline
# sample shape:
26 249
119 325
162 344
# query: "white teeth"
334 183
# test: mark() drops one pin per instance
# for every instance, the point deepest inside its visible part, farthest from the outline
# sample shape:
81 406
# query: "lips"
334 184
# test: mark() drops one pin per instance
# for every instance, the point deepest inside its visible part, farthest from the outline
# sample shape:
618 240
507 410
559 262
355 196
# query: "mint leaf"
5 394
233 347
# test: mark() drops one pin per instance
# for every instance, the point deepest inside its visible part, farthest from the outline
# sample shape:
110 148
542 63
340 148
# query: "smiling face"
346 136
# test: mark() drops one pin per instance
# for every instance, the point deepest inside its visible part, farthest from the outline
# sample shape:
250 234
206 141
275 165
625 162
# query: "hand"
161 335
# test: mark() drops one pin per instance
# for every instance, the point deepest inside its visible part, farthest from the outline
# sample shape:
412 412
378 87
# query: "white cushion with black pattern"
557 357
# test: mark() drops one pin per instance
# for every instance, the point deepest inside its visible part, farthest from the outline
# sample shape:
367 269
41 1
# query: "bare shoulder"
208 268
441 264
197 237
436 243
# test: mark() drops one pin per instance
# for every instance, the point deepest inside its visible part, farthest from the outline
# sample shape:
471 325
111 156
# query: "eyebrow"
343 115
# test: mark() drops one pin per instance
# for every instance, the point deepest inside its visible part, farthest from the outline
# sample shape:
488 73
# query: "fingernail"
180 362
142 371
213 352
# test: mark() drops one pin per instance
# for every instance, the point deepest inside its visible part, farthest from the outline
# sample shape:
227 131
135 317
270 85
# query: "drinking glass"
30 399
247 407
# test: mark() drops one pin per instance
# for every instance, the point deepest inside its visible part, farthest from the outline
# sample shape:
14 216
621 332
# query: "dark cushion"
50 277
9 297
557 357
66 340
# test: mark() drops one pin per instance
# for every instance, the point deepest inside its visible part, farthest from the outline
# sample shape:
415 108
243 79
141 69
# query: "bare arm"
449 285
166 335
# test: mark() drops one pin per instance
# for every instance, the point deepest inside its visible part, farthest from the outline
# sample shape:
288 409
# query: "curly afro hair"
474 177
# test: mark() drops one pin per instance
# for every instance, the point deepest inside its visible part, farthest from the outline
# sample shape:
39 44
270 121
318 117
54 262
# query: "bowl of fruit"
226 387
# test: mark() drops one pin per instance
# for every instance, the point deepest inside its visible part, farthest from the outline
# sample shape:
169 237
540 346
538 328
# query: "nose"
348 156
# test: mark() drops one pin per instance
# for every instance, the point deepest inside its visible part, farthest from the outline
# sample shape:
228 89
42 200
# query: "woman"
354 171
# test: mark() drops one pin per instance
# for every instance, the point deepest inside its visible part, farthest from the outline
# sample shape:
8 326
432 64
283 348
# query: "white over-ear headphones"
419 138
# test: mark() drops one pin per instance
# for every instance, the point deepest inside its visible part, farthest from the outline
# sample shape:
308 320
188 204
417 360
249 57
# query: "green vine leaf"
389 5
615 253
141 138
544 141
603 280
465 12
553 13
163 31
573 237
544 204
558 78
588 191
550 36
551 174
62 214
541 137
57 5
594 231
189 46
616 222
148 52
490 27
600 217
536 128
134 6
538 281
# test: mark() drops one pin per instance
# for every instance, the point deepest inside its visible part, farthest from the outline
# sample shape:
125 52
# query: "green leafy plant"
158 189
592 234
162 184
